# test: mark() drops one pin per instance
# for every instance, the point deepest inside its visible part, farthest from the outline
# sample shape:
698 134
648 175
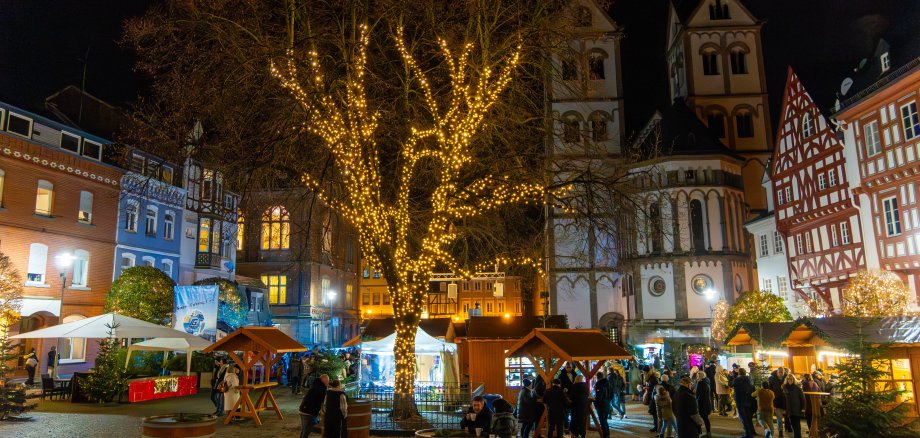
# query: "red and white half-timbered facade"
814 211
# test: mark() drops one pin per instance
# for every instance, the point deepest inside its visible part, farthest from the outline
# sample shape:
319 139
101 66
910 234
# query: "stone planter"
179 426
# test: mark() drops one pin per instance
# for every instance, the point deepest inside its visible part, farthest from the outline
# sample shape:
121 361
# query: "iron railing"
440 405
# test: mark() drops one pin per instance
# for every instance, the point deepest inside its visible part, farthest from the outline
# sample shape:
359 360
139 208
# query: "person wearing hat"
689 422
556 402
503 425
603 397
528 410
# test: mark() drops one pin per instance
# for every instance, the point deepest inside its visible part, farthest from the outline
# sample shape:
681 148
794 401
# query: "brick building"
58 204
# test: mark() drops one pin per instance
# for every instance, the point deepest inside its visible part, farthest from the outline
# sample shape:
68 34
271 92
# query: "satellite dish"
845 86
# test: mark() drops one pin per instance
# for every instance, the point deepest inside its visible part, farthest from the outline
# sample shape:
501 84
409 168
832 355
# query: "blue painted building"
150 212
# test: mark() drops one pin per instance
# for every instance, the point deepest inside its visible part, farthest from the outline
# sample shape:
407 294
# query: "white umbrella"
188 345
122 327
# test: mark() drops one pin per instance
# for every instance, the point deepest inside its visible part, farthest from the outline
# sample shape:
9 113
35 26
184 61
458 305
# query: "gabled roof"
515 327
686 9
841 331
568 345
382 327
903 54
263 339
763 333
678 131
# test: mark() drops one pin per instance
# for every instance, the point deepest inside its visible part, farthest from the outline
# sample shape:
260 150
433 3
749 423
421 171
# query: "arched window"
599 122
739 61
127 261
655 232
276 229
596 64
131 216
169 225
149 261
44 198
72 349
696 226
150 221
718 10
80 268
744 123
571 128
808 125
166 266
710 60
716 122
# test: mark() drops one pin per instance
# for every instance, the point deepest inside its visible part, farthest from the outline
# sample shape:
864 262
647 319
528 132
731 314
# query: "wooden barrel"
359 418
179 426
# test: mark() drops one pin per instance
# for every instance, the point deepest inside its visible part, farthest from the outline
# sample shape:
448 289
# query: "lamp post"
711 296
64 262
330 300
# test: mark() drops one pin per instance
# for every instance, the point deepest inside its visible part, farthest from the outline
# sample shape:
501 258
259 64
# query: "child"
665 412
765 397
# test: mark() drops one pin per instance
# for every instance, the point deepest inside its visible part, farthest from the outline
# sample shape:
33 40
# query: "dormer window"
19 125
92 150
70 142
718 11
886 62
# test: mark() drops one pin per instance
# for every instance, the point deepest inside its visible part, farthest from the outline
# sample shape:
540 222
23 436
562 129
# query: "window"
365 299
70 142
376 297
569 71
788 194
777 242
376 274
19 125
822 182
204 235
85 214
834 240
910 120
386 298
366 273
832 177
799 246
38 260
127 261
72 349
718 11
764 245
169 225
844 233
255 302
501 307
739 61
779 197
276 229
349 296
782 284
166 266
895 376
44 198
80 268
149 262
745 122
167 174
349 250
710 63
696 225
768 285
92 149
892 216
808 126
570 130
596 65
131 217
150 227
329 296
808 246
886 62
277 288
489 307
871 137
599 129
716 122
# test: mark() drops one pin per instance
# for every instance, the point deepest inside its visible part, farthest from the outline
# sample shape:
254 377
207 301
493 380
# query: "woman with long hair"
795 404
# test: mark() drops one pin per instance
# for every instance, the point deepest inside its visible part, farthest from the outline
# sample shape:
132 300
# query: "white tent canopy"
424 344
122 327
187 345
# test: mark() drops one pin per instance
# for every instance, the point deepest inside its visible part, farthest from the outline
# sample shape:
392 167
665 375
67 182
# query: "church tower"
715 62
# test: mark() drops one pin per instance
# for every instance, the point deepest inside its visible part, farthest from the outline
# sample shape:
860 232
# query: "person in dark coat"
744 401
686 410
556 403
651 382
311 405
539 386
776 380
704 398
296 378
504 425
578 396
335 412
795 404
52 354
478 417
217 397
31 365
711 375
567 377
602 398
618 387
529 410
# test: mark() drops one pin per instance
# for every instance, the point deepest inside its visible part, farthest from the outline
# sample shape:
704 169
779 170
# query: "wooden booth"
547 351
481 351
262 346
764 341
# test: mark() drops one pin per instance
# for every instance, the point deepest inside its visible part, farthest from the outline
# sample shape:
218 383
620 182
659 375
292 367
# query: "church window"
596 64
599 129
745 124
739 61
696 225
716 122
710 63
655 232
571 129
718 10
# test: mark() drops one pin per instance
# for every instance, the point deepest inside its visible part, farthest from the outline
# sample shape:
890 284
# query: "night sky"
45 43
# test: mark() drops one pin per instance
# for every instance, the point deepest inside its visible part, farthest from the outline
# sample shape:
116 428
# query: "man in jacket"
296 379
529 410
311 404
687 410
617 392
567 377
602 399
711 375
744 401
704 399
556 403
335 412
779 400
578 396
478 417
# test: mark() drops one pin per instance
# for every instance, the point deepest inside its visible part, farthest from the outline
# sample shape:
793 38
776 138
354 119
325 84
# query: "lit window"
240 231
151 222
86 207
349 298
871 137
80 268
366 273
892 217
910 120
131 217
710 63
169 225
745 122
777 242
38 261
895 376
739 61
72 349
44 198
276 229
329 296
277 288
204 235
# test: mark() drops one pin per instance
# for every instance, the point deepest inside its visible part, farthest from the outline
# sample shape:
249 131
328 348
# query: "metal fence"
440 405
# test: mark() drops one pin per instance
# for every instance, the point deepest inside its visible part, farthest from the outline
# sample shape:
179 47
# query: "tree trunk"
407 309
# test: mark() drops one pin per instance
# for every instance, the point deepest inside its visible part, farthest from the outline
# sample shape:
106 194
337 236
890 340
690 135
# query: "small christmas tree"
12 397
109 378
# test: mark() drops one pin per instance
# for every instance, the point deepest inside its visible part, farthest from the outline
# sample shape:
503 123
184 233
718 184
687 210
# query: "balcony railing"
207 260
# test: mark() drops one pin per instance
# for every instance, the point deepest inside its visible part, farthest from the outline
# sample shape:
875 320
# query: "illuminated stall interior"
763 340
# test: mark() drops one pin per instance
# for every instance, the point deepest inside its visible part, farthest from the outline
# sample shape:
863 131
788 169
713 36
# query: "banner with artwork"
196 310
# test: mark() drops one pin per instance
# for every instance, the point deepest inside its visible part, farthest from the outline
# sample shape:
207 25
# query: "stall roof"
841 330
763 333
379 328
515 327
568 345
265 339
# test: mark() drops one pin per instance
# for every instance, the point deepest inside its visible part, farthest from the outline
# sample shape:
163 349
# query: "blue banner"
196 310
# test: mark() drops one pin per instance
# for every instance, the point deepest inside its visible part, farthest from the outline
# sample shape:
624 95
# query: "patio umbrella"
188 345
122 327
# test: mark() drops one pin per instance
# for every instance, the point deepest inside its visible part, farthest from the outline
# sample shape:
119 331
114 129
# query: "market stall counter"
155 388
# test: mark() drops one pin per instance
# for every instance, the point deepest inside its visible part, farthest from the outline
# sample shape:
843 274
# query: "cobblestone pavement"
53 419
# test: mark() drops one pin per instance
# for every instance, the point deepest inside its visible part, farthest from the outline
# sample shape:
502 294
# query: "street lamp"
330 301
64 262
712 296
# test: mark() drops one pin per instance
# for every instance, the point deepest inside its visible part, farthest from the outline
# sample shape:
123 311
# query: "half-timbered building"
814 209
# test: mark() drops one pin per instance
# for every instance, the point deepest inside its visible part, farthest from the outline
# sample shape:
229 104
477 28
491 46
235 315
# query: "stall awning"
261 339
762 333
120 326
841 331
424 344
568 345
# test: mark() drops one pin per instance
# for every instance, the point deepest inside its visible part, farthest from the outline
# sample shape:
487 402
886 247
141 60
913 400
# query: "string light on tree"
876 294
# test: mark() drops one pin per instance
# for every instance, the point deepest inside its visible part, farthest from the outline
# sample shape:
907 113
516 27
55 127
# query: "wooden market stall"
259 345
548 350
763 340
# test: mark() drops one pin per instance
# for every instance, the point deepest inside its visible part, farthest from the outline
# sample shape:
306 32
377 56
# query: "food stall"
155 388
436 361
